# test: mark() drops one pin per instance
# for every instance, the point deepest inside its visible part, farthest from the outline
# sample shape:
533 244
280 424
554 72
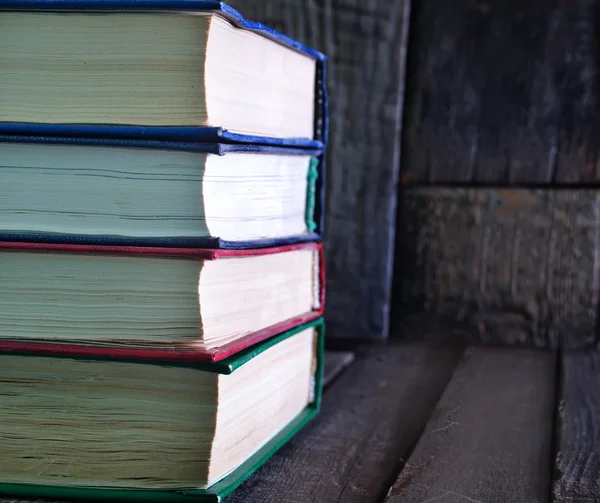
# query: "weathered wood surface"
503 91
578 452
516 265
371 418
335 363
366 44
490 436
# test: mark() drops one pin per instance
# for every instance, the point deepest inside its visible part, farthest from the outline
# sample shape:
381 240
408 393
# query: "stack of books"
161 206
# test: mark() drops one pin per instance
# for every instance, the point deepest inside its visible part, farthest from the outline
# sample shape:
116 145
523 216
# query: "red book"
170 304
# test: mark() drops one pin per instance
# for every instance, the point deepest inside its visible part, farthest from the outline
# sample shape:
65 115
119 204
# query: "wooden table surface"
416 422
408 423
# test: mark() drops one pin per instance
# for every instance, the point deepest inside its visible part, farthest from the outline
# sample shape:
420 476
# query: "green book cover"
222 488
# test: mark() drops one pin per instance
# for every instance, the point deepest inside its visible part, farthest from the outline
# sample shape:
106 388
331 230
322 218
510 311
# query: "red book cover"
163 354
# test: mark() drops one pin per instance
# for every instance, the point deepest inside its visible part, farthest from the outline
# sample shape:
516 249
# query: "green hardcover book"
115 429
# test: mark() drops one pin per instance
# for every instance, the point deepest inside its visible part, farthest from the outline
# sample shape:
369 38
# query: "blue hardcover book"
172 70
155 193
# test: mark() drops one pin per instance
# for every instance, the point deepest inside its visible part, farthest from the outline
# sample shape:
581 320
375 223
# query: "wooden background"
365 42
517 265
498 220
503 91
486 111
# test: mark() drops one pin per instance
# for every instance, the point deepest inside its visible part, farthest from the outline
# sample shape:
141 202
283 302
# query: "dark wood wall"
498 102
516 265
503 91
498 223
365 42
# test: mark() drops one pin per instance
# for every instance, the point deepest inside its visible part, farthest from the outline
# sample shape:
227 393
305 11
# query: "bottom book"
153 431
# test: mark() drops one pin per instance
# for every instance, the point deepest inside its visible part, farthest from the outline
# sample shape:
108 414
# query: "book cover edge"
223 361
178 144
191 253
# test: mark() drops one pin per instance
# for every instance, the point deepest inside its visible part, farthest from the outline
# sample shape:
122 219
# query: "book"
145 303
150 431
157 193
168 69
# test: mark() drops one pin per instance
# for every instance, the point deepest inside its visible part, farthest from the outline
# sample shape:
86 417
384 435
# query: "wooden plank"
518 265
366 44
335 363
577 474
371 418
503 91
489 438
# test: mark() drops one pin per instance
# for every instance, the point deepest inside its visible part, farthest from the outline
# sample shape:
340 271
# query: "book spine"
321 121
311 195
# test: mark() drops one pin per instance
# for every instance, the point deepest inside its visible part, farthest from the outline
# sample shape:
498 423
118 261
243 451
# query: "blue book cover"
314 205
177 133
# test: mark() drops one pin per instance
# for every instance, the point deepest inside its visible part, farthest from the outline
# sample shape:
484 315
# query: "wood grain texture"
489 438
503 91
335 363
518 265
371 418
577 475
366 45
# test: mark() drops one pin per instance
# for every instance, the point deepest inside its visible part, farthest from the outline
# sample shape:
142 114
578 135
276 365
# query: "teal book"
126 430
